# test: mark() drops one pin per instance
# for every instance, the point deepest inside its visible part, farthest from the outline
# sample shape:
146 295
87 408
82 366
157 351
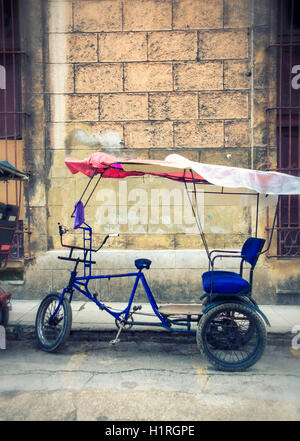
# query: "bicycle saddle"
142 263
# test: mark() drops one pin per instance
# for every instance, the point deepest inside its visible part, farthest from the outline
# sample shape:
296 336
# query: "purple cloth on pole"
79 214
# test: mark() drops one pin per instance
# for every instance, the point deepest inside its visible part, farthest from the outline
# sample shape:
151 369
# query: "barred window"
10 71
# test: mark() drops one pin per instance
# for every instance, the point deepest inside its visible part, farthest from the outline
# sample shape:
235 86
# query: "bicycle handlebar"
63 230
105 239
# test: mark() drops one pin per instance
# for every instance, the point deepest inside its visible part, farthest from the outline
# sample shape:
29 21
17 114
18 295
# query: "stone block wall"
153 77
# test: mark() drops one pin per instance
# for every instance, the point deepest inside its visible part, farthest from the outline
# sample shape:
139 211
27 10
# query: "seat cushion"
142 263
224 282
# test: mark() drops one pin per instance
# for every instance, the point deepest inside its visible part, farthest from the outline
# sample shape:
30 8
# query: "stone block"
148 134
38 242
192 154
237 13
262 59
198 76
237 74
219 44
260 158
260 117
98 78
94 135
150 241
37 283
38 220
122 46
198 134
223 105
173 106
143 77
60 279
234 157
74 107
262 12
95 16
124 106
35 78
176 286
234 241
72 48
124 259
59 16
136 153
62 214
57 167
188 241
168 46
59 78
237 133
147 15
197 14
61 191
36 109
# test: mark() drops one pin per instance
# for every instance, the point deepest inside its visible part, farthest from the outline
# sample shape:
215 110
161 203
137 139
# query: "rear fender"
235 300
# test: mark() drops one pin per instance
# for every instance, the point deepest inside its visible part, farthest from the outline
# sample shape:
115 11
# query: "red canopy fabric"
112 167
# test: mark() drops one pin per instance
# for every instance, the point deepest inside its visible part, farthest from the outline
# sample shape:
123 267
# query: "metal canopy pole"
83 193
195 210
273 226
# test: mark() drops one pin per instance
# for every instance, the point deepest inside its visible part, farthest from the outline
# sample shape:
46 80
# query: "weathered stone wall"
154 77
144 79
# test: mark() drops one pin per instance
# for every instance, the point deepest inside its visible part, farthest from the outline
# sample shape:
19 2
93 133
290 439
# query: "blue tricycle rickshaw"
230 327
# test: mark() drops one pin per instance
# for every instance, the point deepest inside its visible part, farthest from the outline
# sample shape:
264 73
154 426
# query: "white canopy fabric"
265 182
235 177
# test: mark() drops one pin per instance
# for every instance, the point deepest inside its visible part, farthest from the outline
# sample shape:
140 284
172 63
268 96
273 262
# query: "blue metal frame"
83 281
81 284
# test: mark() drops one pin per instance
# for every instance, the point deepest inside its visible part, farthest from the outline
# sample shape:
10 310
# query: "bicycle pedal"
114 341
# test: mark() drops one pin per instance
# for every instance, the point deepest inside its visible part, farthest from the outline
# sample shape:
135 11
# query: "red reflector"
5 247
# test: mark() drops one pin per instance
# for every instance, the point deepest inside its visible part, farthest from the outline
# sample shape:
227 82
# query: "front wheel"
232 336
53 331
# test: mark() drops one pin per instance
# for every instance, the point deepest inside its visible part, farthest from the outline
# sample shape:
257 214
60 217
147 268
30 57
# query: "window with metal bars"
287 110
10 71
11 114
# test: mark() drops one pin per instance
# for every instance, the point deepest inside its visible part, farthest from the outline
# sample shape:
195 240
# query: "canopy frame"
194 204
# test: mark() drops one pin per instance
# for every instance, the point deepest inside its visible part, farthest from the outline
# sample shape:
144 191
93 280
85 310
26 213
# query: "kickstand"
116 340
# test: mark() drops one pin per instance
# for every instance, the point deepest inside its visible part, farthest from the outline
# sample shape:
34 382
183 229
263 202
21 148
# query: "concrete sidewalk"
88 318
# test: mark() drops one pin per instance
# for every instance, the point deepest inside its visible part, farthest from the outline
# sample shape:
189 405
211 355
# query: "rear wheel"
232 336
53 331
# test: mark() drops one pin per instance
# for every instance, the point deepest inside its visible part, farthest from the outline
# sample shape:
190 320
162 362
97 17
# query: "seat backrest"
251 249
8 222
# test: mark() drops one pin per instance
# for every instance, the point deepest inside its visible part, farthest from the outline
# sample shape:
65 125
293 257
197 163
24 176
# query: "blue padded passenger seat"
229 282
225 282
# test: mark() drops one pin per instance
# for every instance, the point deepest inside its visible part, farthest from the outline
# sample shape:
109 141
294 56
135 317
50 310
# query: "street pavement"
152 375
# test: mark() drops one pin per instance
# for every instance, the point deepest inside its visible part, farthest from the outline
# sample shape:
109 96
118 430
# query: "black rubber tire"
4 316
231 330
52 337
